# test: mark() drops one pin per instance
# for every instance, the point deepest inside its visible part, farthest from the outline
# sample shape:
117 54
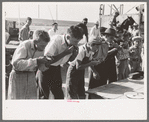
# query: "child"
75 74
135 54
122 56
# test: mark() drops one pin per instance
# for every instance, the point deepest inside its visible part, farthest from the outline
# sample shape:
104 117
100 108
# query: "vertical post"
139 20
122 8
56 12
111 10
38 11
19 15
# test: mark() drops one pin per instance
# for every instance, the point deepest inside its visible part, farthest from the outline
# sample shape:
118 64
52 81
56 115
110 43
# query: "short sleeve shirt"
56 46
83 52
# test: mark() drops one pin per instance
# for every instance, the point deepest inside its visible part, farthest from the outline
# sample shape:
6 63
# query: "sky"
71 11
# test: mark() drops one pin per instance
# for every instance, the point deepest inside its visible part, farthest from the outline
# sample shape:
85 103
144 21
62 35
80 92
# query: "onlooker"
51 78
24 31
7 35
75 74
110 65
135 54
25 61
95 31
122 56
135 30
53 30
83 25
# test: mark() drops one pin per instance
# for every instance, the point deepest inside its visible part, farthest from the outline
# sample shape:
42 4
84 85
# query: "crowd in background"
110 54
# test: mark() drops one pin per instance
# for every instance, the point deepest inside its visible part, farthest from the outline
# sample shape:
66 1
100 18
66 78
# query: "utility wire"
131 9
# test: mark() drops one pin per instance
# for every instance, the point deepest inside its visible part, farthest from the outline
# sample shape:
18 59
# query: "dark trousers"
50 80
111 74
75 83
93 83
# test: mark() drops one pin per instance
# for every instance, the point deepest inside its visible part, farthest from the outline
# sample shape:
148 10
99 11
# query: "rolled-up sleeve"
21 61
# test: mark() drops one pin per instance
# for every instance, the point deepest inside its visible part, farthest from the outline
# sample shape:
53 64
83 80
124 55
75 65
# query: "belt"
135 59
20 72
124 59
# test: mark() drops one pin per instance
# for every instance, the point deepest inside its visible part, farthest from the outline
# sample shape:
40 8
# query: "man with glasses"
26 59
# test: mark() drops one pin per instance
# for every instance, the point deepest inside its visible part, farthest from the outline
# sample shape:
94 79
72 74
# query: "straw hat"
110 31
137 37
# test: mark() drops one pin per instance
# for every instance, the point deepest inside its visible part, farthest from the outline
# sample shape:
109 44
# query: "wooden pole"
19 16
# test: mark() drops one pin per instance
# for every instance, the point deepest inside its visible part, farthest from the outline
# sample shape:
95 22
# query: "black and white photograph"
74 60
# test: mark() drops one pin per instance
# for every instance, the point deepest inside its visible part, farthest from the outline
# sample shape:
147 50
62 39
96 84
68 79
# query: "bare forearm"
93 69
83 66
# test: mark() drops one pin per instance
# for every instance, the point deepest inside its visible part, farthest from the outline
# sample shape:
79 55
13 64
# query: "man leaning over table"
49 76
25 61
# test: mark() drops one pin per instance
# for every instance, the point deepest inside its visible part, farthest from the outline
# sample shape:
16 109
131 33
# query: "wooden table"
117 90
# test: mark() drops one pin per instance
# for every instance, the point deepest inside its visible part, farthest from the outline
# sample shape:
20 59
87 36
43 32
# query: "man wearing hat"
135 54
122 57
53 30
83 25
135 31
110 65
95 30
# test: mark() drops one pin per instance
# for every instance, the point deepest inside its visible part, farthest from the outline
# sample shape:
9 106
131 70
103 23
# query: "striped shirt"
123 54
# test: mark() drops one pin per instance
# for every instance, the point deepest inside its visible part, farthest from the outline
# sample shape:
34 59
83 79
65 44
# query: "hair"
85 19
41 34
54 24
75 31
29 18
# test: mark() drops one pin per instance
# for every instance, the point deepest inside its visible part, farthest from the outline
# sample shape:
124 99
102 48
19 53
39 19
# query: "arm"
80 66
91 32
95 73
86 34
59 56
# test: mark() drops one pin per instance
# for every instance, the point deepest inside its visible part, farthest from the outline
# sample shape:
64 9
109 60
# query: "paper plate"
134 95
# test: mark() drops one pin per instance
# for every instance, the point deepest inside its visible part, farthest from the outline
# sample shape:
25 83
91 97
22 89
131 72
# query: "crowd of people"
110 54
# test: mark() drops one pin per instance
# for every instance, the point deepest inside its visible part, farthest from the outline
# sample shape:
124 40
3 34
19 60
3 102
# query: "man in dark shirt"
84 27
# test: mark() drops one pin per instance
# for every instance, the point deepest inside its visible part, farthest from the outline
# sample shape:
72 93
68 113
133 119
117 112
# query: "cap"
97 23
135 24
110 31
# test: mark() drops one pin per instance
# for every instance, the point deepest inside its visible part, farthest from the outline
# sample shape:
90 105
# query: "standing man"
25 30
25 62
53 30
95 30
51 77
83 25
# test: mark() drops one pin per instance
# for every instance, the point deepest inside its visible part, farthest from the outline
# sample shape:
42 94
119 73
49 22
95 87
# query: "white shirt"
56 46
51 32
94 31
